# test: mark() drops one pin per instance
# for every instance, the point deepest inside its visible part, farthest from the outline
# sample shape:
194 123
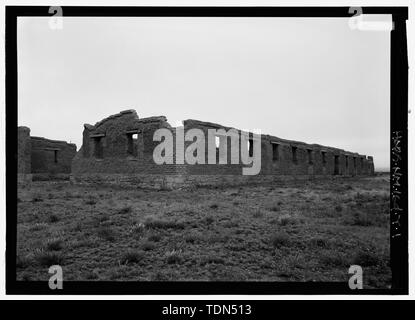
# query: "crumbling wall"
109 153
23 155
51 156
285 157
226 168
371 166
40 158
108 147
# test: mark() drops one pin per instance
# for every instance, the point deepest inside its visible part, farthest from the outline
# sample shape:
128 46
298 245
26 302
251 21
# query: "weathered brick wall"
40 156
371 166
162 181
212 169
23 155
311 159
51 156
113 133
308 160
23 150
109 153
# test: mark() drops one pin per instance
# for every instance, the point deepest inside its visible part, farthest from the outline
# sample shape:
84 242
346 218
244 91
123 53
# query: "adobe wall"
23 155
309 157
312 159
109 155
180 181
212 169
111 137
51 156
42 158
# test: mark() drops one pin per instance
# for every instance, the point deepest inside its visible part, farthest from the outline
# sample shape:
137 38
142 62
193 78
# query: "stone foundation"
169 182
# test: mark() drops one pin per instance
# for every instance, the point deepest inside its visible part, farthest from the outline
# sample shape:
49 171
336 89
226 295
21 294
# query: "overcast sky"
313 80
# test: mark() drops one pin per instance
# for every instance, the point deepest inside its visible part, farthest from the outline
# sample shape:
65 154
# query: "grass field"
296 231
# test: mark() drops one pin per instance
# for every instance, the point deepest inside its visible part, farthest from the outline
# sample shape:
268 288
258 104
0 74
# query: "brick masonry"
119 150
24 170
41 158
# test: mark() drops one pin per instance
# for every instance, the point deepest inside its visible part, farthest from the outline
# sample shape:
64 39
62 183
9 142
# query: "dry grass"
298 231
131 256
280 239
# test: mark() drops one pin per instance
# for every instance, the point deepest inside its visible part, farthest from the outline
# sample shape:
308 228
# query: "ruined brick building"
119 150
41 158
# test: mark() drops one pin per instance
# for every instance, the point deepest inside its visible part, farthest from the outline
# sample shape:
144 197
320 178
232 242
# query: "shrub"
138 230
230 224
361 219
90 275
366 259
385 197
333 258
174 256
84 242
78 227
106 233
319 242
148 245
193 237
49 258
103 217
38 226
258 214
209 220
26 277
287 219
284 219
68 195
90 202
296 260
273 221
37 199
53 218
125 210
164 224
154 237
216 238
54 245
159 276
211 259
280 239
23 261
131 256
338 208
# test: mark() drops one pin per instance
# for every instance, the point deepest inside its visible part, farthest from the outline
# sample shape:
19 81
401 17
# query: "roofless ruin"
119 150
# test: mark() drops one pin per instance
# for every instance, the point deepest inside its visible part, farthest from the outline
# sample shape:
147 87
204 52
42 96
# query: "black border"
260 309
399 121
